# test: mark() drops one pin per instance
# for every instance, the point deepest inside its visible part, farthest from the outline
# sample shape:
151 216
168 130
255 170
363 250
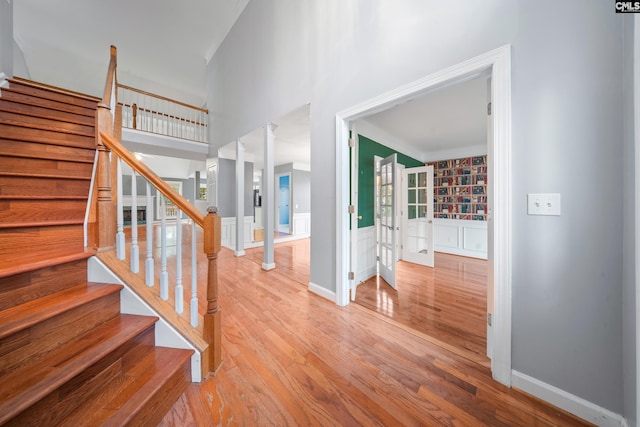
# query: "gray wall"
227 188
629 268
567 138
20 68
6 38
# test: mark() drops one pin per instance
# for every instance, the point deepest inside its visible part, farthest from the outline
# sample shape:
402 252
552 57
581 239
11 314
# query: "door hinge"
489 109
489 319
352 142
378 258
352 209
352 276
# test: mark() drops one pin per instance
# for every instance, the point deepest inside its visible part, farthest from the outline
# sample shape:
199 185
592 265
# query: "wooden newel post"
105 220
212 320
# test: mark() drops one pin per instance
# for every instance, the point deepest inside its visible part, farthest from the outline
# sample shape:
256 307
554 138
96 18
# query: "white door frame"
498 62
277 193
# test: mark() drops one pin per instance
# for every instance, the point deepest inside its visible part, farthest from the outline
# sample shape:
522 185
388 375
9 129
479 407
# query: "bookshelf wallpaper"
460 189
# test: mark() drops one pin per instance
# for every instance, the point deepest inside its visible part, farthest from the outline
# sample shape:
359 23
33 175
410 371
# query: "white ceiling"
443 121
65 40
292 142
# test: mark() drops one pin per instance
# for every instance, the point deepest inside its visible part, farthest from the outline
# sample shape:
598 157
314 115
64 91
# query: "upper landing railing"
105 229
157 114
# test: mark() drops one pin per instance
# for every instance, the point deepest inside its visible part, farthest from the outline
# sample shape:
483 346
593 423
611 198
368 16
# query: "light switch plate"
543 204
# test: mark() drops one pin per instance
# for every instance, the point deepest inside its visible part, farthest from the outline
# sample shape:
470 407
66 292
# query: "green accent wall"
367 150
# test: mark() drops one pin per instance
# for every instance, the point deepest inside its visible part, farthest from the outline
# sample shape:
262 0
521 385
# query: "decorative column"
239 249
268 198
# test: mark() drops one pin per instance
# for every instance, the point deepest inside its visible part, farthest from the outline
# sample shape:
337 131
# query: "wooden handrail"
111 73
204 110
177 199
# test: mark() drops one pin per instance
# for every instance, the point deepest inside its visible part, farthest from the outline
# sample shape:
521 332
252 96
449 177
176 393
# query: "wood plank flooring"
448 302
292 358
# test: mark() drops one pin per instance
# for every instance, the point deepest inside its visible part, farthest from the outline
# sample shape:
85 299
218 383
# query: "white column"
239 251
268 198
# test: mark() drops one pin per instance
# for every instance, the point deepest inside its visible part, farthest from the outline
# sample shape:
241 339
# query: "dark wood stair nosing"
40 197
50 223
25 398
44 156
45 175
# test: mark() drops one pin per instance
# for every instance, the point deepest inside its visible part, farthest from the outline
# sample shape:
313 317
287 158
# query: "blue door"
283 200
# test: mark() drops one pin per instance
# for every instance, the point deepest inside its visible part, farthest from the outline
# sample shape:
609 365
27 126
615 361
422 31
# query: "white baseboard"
239 253
269 266
323 292
576 405
3 80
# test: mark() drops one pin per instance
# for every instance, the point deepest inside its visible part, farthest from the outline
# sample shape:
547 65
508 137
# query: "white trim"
320 291
3 80
636 120
571 403
499 63
269 266
456 153
239 253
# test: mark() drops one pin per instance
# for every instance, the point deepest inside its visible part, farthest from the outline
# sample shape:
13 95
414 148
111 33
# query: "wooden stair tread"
46 136
25 81
17 119
34 261
15 94
28 109
39 150
25 315
50 92
119 402
28 384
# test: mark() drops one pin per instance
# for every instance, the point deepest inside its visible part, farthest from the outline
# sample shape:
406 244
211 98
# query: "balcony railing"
153 113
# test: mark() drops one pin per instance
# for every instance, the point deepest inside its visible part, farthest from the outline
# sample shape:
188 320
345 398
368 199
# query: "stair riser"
46 103
37 150
155 410
47 113
14 242
40 187
49 94
16 119
27 211
47 335
21 288
39 167
62 401
20 133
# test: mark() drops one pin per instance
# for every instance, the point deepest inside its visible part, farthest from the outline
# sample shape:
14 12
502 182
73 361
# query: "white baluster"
149 265
164 276
194 277
120 244
179 301
135 250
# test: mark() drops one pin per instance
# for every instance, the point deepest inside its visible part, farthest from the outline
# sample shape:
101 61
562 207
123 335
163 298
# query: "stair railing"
106 228
154 113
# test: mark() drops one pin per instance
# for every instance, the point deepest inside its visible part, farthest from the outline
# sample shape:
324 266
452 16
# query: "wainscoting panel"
461 237
228 231
301 224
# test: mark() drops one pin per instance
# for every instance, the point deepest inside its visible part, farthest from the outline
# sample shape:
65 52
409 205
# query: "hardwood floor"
447 303
293 358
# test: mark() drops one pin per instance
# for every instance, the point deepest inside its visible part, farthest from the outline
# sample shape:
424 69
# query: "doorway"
283 203
497 64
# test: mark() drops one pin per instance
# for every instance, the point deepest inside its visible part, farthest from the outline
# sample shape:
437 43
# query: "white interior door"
387 220
417 226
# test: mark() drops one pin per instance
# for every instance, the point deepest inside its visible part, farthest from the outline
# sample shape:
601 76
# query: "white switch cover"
543 204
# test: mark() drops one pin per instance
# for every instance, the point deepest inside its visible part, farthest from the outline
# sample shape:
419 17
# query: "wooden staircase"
67 354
